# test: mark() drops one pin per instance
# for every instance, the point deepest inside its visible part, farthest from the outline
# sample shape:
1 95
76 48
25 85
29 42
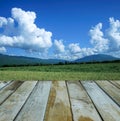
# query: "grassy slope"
105 71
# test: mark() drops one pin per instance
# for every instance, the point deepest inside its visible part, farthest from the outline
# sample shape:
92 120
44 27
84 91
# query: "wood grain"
108 109
116 83
111 90
58 108
34 109
3 84
82 107
8 90
10 108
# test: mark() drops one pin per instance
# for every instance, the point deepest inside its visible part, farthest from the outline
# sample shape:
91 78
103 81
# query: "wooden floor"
60 101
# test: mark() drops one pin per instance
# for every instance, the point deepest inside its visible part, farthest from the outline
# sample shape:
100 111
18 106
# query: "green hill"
6 60
97 58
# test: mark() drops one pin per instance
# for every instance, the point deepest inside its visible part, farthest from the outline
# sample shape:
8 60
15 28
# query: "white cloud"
114 34
2 50
97 39
74 51
87 51
3 21
74 48
20 31
107 42
115 53
59 46
111 42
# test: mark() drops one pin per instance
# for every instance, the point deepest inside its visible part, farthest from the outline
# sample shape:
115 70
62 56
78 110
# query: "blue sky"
66 29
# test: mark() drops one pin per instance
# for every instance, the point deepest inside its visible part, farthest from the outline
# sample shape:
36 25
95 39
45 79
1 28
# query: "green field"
99 71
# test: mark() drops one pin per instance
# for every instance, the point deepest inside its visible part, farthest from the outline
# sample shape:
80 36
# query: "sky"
61 29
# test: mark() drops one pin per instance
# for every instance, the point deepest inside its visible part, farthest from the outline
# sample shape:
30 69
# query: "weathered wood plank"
34 109
10 108
3 84
116 83
112 90
108 109
8 90
82 107
58 108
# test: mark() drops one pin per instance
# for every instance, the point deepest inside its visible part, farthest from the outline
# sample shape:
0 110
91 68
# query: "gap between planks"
111 90
9 90
10 108
3 84
58 107
76 99
108 109
82 106
35 106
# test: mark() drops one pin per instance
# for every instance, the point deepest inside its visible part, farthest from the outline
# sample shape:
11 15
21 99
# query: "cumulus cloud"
71 51
74 48
107 42
59 46
114 34
97 39
2 50
76 52
20 31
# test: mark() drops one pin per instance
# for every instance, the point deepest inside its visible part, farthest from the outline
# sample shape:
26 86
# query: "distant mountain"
97 58
7 60
21 60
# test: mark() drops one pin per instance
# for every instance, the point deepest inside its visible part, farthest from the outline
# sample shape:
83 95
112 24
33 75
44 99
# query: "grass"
30 75
100 67
102 71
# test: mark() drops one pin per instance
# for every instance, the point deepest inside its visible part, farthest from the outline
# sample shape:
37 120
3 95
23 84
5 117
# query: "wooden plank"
8 90
3 84
10 108
111 90
58 108
108 109
35 107
116 83
82 107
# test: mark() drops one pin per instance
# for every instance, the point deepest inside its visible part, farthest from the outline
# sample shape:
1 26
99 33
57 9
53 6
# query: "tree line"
59 63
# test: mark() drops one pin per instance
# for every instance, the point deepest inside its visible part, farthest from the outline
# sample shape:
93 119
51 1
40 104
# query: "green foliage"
97 71
6 61
96 67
